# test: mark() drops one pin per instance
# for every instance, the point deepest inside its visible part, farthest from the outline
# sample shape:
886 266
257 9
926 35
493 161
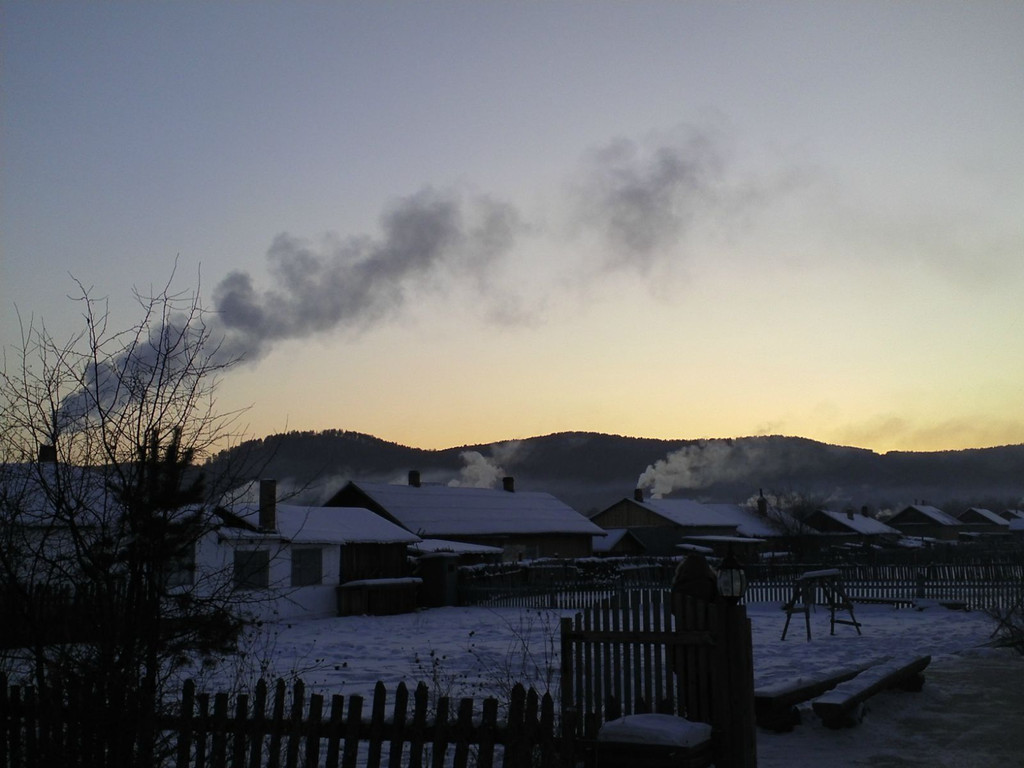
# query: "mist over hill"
590 470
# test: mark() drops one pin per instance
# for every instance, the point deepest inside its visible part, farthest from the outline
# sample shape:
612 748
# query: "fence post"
737 745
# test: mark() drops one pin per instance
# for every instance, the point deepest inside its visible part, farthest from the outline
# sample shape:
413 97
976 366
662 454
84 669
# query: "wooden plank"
334 730
398 715
375 735
486 733
295 725
259 712
352 726
417 735
203 704
439 744
463 733
276 726
239 729
313 730
219 742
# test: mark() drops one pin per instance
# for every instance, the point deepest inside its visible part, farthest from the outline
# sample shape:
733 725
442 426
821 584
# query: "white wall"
280 601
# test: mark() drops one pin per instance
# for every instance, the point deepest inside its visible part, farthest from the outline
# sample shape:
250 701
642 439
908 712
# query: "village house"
662 525
299 561
851 527
926 522
523 524
978 522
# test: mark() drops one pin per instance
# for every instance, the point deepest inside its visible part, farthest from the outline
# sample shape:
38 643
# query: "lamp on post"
732 579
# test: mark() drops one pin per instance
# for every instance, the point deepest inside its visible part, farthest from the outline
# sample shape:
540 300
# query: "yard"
968 713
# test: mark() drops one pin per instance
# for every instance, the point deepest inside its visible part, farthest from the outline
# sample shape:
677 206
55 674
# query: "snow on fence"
310 731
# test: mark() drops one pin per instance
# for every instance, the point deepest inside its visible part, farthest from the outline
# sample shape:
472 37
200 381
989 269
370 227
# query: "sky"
452 223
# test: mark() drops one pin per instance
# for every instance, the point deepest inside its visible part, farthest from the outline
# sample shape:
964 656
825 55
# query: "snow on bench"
843 705
775 704
654 740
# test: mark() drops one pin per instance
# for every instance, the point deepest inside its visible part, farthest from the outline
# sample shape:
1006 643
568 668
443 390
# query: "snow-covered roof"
933 513
433 546
858 523
609 542
327 525
1017 524
439 511
988 515
692 514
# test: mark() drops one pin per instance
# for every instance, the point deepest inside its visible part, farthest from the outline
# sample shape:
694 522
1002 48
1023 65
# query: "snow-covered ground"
970 712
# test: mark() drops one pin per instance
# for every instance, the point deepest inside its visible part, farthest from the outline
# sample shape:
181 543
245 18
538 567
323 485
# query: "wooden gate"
655 651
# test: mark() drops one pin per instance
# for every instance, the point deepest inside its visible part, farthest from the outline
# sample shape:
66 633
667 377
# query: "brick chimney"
509 484
268 505
638 494
47 454
414 478
762 503
849 513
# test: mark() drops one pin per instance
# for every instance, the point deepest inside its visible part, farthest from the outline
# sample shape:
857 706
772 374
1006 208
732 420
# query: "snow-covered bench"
843 705
775 704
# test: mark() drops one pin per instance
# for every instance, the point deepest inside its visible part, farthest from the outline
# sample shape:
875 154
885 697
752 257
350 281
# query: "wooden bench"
843 705
775 705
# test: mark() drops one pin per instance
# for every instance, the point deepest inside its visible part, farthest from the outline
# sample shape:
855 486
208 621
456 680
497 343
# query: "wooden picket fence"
282 728
973 585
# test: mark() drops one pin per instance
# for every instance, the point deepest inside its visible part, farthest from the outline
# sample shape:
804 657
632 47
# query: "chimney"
414 478
47 454
509 484
762 503
849 513
268 505
638 494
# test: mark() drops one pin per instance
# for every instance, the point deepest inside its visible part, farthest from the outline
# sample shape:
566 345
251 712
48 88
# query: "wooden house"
977 522
661 525
850 527
524 524
924 521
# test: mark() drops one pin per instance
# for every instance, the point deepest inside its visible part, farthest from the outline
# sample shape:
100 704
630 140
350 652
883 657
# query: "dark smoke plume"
357 281
643 200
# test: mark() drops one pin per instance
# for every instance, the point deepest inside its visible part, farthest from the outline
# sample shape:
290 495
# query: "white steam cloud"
480 471
704 464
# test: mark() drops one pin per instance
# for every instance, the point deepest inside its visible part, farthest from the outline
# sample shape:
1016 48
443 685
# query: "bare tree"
101 510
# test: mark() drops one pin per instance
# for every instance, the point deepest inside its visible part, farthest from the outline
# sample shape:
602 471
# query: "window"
307 567
252 568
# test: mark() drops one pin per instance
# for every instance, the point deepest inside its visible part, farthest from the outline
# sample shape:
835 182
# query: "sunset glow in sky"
448 223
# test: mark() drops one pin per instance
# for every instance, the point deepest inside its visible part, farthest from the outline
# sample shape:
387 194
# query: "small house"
924 521
298 561
524 524
850 527
977 521
663 524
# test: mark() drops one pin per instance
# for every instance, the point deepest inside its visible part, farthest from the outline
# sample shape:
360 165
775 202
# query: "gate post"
736 740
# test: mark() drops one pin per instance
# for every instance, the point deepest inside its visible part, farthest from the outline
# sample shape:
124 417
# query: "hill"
591 470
